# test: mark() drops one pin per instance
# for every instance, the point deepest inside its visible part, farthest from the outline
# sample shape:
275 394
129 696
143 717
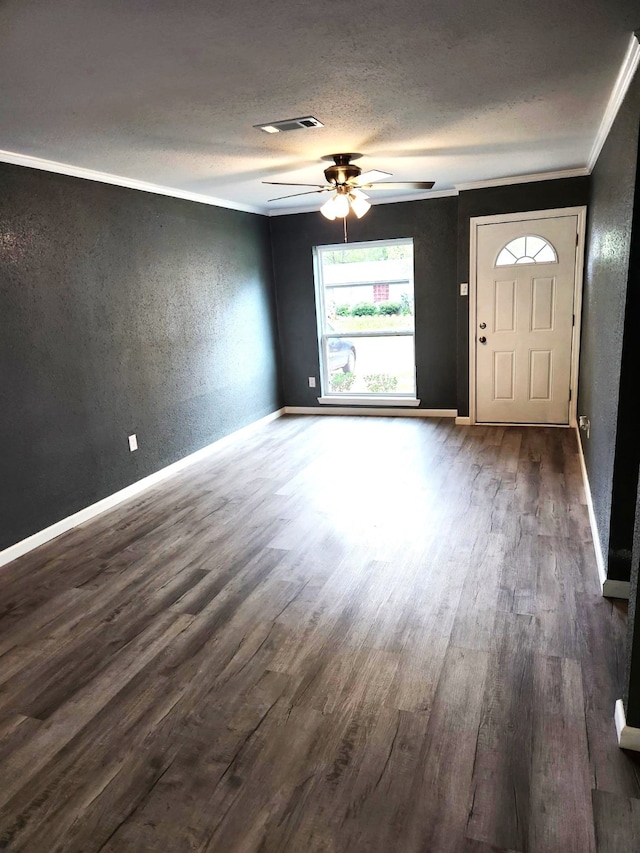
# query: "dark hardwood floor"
340 634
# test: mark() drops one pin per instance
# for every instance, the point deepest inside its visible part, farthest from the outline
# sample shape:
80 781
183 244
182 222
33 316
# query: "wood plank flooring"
338 634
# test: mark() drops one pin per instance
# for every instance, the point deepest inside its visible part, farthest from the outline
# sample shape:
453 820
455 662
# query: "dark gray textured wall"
627 455
432 225
611 205
120 312
631 686
624 502
518 198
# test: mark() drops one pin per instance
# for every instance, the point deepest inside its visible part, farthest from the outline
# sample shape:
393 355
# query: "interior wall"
432 225
518 198
121 312
624 503
612 443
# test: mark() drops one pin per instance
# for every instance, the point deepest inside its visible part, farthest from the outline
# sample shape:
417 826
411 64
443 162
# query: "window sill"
346 400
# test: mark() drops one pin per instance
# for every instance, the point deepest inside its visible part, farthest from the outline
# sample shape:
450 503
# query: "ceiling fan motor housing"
343 170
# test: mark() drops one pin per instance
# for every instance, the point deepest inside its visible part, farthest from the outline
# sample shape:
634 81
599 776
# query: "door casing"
476 221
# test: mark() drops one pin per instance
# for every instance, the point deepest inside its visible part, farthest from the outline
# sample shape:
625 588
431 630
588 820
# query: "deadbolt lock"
483 325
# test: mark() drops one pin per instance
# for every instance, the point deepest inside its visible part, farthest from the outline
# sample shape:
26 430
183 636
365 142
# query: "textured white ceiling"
446 90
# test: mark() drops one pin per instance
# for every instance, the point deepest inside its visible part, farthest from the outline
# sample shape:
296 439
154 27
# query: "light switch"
464 289
312 382
133 442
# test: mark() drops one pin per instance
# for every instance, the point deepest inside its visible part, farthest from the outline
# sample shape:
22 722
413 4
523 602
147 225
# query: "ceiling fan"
346 182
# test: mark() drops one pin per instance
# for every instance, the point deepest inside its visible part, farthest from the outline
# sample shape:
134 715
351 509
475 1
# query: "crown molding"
627 71
580 172
289 211
625 76
118 181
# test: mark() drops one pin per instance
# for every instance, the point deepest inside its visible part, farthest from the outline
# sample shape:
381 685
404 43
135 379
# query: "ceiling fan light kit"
342 201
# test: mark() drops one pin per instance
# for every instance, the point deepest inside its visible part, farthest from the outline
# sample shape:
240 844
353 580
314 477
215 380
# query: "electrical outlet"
464 289
133 442
312 382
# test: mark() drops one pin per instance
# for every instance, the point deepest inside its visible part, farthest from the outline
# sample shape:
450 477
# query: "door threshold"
519 424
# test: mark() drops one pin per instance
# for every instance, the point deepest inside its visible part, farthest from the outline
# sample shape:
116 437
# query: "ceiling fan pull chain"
344 222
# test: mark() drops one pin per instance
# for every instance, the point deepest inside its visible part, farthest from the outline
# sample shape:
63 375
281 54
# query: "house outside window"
380 292
365 311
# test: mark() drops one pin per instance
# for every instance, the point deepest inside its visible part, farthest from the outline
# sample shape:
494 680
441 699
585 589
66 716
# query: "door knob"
482 339
483 325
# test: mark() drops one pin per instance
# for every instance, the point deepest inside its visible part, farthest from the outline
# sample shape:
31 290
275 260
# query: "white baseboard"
595 535
463 421
65 524
628 736
346 400
616 589
360 410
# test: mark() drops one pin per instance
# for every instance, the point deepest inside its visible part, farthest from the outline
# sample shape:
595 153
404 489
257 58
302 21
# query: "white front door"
525 289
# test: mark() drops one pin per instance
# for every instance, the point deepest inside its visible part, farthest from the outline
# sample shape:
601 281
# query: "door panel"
503 375
540 384
505 306
543 300
524 298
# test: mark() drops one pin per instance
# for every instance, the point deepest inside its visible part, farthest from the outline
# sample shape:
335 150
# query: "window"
365 310
527 250
380 292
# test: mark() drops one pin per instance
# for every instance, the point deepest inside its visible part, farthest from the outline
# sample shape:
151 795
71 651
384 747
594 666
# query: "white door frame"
476 221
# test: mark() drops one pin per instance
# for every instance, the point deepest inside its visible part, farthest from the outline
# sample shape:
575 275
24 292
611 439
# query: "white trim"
473 316
463 421
86 514
119 181
551 213
323 335
346 400
628 736
496 219
577 313
580 172
595 534
352 410
290 211
616 589
625 76
610 588
623 81
520 424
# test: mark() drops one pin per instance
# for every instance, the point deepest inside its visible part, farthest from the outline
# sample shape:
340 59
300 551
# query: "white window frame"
364 398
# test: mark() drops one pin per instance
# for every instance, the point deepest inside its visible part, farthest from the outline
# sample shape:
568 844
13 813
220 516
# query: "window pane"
546 255
368 365
517 246
505 259
534 244
368 288
365 292
526 250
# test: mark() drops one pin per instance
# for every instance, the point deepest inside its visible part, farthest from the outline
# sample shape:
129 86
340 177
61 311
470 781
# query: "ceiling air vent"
289 124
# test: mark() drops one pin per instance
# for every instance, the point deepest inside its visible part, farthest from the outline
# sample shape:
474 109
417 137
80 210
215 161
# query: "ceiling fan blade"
370 176
294 195
400 185
286 184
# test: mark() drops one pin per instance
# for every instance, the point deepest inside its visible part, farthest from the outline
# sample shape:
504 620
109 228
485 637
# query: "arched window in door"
527 250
